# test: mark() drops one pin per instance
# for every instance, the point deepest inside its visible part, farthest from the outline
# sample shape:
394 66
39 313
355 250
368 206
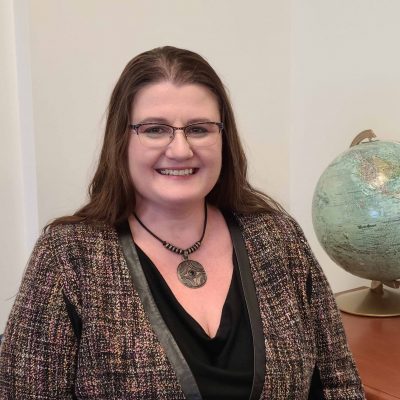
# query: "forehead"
166 100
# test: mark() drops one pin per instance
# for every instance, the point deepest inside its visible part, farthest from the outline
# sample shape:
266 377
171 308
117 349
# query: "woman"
178 279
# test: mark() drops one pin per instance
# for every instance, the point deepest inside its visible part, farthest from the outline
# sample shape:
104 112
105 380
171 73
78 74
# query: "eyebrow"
165 121
154 119
196 120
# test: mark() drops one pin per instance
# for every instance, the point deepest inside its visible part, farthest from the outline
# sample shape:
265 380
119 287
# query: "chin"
184 199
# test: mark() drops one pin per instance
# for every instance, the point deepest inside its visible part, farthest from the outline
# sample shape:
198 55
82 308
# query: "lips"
177 172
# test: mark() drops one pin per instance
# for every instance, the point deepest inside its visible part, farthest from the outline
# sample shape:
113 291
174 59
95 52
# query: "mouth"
177 172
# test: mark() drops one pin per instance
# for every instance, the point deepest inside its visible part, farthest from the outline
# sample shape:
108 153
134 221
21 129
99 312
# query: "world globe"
356 211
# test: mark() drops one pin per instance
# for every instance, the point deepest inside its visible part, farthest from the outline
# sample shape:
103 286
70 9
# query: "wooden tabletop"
375 344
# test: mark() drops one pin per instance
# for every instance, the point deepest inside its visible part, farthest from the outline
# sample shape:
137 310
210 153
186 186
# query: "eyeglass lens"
157 135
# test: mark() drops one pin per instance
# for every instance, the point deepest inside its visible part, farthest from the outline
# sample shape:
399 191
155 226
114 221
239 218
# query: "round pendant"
192 274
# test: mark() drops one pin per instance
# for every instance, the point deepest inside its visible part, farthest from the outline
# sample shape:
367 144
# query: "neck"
181 226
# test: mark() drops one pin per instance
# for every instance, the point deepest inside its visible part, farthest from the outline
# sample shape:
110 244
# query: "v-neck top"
223 365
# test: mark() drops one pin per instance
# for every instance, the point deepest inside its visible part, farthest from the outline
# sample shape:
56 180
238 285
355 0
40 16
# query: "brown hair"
111 192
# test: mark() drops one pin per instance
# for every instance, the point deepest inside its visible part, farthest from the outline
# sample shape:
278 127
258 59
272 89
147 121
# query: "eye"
198 130
154 130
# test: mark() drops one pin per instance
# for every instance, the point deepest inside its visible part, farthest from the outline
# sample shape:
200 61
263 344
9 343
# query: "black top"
223 365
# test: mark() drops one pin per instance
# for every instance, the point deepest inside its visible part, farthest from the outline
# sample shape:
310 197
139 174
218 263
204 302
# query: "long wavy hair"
112 192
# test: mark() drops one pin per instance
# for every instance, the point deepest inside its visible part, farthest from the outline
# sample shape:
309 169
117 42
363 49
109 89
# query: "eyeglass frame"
136 127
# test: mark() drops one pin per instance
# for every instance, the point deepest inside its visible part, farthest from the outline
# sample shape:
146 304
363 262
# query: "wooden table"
375 344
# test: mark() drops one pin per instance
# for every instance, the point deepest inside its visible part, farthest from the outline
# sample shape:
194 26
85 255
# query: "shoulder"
64 252
274 224
273 235
71 244
77 235
80 232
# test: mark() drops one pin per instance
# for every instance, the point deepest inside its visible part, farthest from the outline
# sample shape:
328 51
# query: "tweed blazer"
124 351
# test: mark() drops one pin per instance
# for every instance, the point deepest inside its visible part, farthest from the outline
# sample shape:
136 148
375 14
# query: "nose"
179 148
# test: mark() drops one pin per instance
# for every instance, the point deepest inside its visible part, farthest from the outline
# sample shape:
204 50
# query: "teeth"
177 172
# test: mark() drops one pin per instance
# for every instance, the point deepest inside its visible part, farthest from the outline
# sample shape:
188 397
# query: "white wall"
305 76
345 78
16 220
79 48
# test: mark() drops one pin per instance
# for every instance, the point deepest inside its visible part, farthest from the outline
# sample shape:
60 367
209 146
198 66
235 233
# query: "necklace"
191 273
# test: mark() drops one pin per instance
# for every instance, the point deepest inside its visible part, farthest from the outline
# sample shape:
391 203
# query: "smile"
177 172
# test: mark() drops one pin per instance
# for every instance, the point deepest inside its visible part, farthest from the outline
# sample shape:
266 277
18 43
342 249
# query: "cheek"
136 162
141 162
219 159
217 163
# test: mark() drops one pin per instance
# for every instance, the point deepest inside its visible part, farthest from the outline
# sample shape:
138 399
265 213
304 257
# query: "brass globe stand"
375 301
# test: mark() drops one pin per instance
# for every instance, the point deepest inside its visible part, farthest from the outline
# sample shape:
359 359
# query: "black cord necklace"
191 273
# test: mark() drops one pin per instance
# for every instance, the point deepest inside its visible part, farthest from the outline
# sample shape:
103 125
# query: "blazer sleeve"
337 370
38 353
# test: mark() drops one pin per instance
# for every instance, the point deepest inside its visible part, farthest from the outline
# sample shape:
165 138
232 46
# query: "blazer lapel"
178 362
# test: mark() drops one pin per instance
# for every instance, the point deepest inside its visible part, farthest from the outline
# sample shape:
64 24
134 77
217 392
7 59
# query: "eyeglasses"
201 134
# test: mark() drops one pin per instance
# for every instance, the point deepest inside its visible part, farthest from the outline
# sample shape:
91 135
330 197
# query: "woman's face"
154 171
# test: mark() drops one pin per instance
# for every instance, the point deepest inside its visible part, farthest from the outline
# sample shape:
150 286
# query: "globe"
356 210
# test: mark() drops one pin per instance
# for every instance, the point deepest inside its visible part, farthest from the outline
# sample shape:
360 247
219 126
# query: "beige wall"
305 76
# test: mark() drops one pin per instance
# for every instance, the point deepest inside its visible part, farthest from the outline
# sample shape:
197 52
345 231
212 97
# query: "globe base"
371 303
